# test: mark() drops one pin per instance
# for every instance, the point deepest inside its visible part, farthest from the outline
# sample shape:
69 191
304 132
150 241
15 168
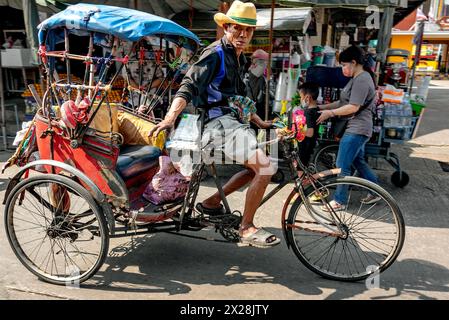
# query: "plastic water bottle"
387 116
329 128
400 115
408 113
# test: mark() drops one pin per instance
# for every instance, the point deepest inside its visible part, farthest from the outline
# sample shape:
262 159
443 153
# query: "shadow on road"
170 264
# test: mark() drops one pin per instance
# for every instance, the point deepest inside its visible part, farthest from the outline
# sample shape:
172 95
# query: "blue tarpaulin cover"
124 23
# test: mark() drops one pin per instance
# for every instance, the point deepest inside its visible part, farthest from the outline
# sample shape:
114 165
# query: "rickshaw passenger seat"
136 160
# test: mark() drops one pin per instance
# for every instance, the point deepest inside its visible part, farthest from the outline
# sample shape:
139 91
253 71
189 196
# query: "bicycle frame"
331 223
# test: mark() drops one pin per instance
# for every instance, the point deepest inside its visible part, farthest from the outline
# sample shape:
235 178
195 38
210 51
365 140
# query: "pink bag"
167 185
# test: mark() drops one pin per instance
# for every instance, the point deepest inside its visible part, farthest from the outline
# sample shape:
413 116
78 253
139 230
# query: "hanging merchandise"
294 73
329 57
281 91
317 54
306 52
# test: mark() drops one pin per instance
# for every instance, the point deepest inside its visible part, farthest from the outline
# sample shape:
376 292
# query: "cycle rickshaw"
86 187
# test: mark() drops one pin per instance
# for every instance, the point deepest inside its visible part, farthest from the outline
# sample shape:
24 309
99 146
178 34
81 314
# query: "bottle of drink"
321 131
329 129
387 117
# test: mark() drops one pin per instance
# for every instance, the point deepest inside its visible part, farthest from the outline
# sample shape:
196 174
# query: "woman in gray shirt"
357 102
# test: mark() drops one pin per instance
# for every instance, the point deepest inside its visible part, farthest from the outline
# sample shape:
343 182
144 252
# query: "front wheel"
56 230
373 233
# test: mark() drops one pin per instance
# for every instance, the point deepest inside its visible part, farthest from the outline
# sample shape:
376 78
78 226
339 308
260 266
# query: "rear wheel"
373 233
56 229
326 158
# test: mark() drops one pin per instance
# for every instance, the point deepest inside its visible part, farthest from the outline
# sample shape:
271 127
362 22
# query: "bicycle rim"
56 229
375 232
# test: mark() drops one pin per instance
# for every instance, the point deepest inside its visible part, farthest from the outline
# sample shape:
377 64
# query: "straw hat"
244 14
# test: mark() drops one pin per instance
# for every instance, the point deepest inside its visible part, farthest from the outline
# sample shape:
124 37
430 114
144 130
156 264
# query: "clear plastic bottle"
387 116
408 113
329 129
400 115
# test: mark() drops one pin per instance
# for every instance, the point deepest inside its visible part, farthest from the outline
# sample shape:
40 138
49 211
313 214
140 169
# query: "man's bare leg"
239 180
263 170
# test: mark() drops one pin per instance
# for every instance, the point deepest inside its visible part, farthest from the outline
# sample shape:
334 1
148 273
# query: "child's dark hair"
359 56
311 89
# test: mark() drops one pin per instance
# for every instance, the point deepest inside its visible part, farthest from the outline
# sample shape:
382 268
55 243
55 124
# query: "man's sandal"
211 211
260 239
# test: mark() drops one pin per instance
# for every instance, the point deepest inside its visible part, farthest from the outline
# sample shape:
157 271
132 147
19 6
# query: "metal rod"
2 102
67 50
88 64
80 86
220 188
270 54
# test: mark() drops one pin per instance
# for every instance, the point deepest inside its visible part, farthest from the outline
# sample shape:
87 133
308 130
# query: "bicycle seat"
137 160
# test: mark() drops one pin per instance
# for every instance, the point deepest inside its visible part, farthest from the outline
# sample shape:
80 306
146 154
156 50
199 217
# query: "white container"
16 58
281 91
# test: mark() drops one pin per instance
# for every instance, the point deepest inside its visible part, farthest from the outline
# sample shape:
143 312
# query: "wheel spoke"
372 233
54 224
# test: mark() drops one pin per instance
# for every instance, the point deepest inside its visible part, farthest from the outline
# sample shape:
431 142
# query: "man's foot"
370 199
260 238
211 211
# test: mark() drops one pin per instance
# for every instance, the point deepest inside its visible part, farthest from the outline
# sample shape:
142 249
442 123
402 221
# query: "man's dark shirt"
215 77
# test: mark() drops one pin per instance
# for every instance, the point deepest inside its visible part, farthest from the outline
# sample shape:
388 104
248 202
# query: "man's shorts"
230 140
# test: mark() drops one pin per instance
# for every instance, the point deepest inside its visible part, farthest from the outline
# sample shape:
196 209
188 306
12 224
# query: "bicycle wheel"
374 233
56 229
326 158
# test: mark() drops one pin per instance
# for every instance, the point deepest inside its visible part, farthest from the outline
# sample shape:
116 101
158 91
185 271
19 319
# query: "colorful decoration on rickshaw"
298 127
73 114
299 124
242 107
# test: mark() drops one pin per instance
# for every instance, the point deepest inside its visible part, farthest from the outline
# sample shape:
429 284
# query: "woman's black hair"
360 57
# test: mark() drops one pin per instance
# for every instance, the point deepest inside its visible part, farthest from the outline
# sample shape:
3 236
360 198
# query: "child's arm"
309 132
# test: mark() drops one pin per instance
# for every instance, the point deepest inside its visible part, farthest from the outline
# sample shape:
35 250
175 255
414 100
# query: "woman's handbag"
339 125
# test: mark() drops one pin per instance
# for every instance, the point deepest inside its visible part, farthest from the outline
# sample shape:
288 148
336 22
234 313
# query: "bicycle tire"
299 244
71 187
326 158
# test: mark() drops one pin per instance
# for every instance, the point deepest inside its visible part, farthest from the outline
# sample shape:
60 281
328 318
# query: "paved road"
165 267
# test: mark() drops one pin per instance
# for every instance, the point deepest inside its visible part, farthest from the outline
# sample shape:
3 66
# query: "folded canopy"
126 24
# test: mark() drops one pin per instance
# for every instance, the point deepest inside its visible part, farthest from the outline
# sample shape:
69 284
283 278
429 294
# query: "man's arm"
259 122
176 108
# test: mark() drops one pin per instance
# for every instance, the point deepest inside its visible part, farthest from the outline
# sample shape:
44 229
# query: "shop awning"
286 19
50 6
333 3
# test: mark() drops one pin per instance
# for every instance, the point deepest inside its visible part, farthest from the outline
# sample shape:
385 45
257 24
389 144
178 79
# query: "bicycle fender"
94 190
319 175
283 216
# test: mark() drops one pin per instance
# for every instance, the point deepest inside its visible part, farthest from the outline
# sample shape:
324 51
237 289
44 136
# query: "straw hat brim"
221 19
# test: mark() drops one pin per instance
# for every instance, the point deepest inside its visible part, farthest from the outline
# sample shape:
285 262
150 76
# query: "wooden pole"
270 54
2 102
224 7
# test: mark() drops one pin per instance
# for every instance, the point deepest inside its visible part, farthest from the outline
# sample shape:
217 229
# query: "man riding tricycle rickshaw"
102 162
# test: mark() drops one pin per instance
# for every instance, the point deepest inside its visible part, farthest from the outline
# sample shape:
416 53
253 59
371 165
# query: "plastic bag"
392 95
167 185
